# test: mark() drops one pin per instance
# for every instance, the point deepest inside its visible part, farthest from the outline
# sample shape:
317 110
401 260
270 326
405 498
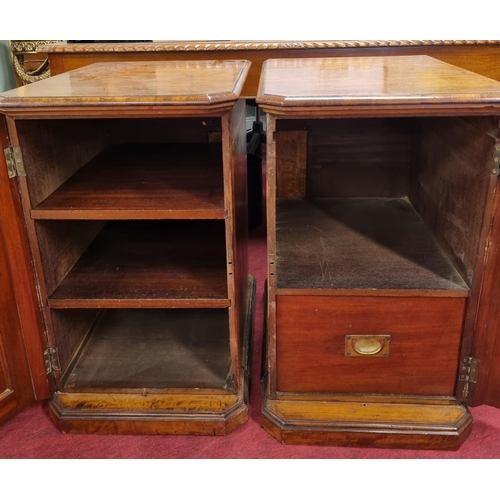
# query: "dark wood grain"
449 185
311 336
137 349
161 129
291 154
149 264
359 243
142 182
353 157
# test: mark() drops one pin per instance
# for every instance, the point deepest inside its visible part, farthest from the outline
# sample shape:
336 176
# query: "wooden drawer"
423 352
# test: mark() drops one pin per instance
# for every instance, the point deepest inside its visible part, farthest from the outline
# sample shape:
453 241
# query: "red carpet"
33 435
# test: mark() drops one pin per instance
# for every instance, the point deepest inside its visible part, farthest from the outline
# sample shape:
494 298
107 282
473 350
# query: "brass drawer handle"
374 346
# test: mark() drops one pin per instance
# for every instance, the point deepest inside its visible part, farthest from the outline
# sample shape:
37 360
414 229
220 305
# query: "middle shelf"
142 181
132 264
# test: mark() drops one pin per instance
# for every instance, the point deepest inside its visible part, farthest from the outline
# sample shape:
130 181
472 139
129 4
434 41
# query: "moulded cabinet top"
361 82
151 83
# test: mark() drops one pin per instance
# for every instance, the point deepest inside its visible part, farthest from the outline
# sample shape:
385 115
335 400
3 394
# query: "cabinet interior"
385 203
129 219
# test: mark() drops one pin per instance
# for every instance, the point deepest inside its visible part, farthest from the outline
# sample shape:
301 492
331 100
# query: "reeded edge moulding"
194 46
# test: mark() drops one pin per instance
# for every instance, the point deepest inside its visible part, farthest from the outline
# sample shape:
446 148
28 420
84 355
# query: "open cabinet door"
22 369
16 388
486 348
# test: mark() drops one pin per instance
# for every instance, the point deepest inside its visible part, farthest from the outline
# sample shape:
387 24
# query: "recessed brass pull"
375 346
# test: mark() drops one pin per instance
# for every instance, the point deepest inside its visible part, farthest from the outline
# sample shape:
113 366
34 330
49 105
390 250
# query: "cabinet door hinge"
229 383
495 166
468 373
51 360
14 160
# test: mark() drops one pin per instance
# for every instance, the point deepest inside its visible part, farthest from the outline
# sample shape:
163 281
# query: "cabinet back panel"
449 184
163 130
355 157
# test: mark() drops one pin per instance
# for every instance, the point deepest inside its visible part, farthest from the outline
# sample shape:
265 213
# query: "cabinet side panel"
53 150
270 324
235 187
449 185
61 244
70 330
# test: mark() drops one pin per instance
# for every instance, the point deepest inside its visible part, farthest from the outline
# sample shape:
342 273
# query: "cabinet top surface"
358 81
149 83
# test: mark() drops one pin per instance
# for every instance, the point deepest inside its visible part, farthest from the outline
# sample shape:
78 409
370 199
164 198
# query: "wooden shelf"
154 349
171 181
149 264
374 245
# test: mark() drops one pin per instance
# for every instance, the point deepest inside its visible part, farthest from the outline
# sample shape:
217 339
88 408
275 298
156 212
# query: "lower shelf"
193 401
154 349
373 424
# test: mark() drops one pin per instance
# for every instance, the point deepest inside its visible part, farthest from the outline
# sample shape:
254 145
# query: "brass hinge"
468 373
229 383
51 360
495 168
14 160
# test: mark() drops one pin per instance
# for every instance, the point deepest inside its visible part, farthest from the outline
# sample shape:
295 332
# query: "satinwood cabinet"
382 192
132 181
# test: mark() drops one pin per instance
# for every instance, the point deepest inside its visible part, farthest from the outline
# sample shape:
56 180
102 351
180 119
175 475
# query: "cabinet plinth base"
152 414
382 425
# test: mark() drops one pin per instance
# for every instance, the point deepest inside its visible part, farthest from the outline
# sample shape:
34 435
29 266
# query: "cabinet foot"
382 425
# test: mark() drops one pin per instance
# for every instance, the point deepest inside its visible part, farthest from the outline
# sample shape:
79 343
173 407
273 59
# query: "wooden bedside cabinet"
133 186
382 191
